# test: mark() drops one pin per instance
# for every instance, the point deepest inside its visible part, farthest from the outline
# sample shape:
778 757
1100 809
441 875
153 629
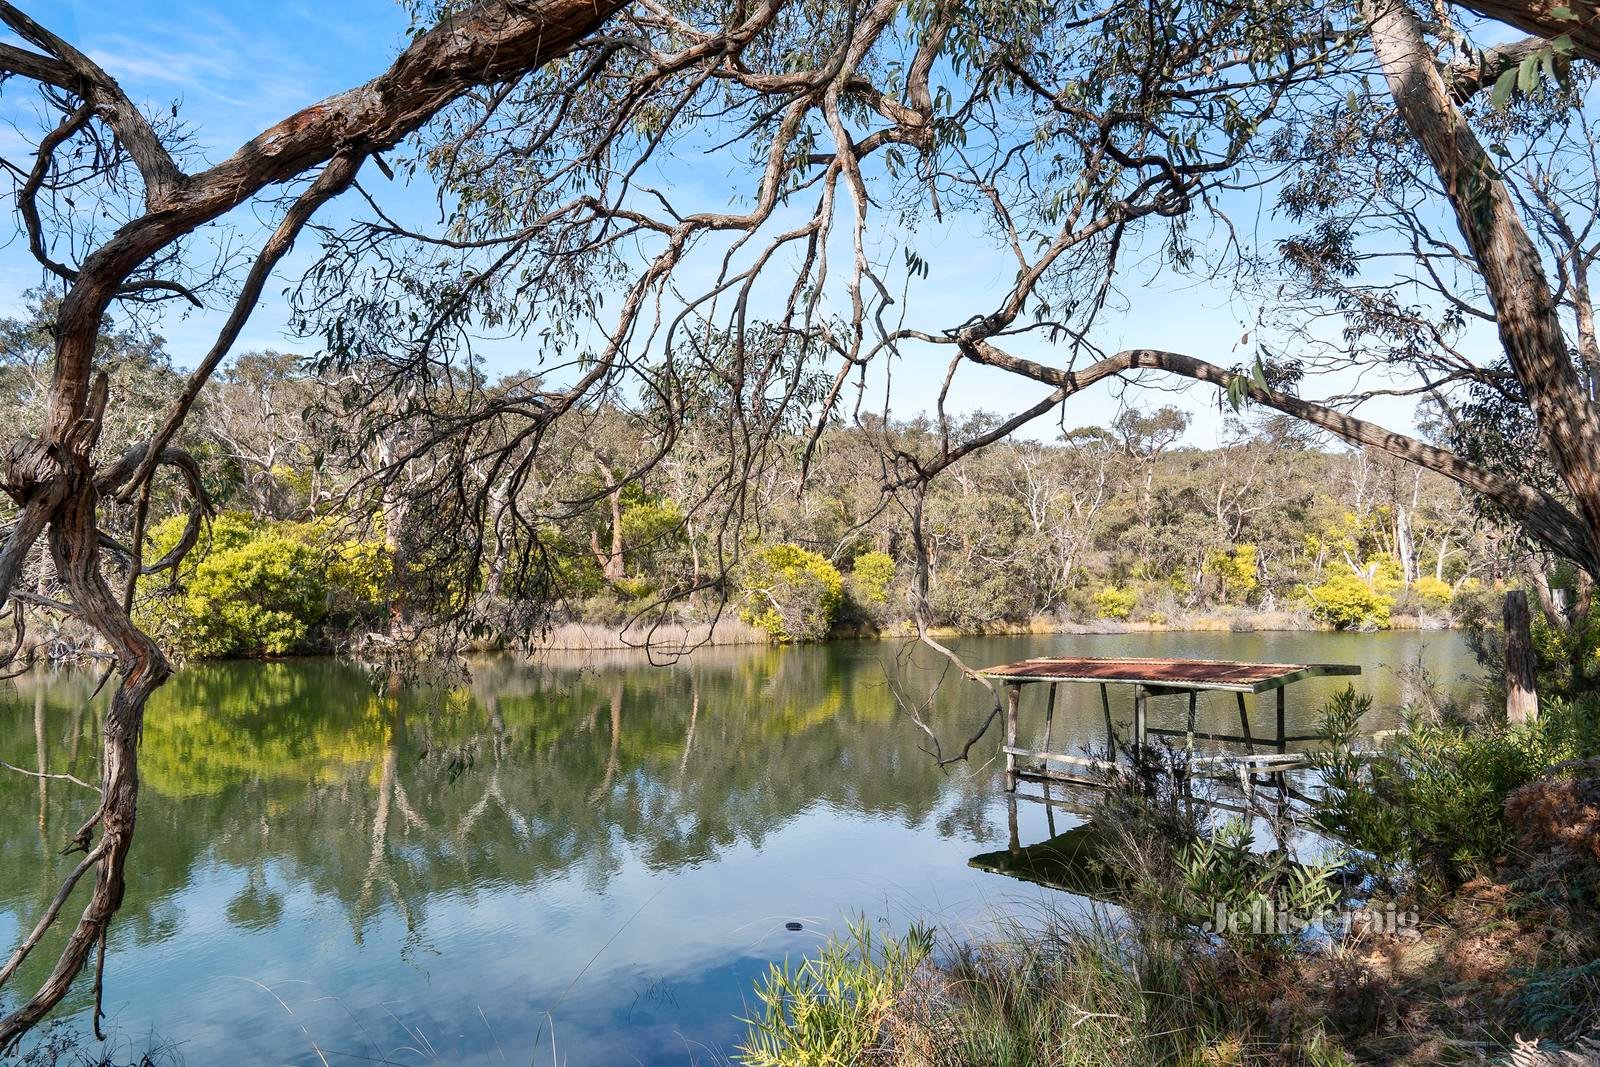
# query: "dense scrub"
1118 524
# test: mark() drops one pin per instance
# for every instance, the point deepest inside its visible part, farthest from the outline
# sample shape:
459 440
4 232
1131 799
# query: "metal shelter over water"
1155 677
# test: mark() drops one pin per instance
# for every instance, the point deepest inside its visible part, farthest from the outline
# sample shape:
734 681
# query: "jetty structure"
1156 678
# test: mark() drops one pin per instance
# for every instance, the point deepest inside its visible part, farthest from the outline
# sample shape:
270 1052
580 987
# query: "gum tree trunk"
51 477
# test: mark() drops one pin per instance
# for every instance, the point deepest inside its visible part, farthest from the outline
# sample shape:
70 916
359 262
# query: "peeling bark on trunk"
1522 698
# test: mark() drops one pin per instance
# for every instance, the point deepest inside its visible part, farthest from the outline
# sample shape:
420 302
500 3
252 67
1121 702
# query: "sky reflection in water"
588 860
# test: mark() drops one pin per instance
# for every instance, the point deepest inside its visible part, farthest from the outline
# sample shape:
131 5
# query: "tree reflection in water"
284 801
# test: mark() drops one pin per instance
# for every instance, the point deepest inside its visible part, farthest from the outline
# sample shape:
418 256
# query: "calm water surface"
582 861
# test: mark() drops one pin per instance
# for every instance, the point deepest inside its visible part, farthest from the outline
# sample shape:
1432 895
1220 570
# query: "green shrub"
870 576
1223 871
1430 804
1346 602
830 1011
1113 602
255 587
791 593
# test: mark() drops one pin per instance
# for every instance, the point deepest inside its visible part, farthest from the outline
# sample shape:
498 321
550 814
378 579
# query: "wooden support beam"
1283 741
1244 723
1206 735
1111 731
1261 761
1140 700
1059 757
1049 713
1059 777
1194 703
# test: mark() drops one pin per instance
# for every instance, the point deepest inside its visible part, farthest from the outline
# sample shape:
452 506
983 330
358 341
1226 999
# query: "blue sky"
235 67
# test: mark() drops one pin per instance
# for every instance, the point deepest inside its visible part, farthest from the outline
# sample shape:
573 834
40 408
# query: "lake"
585 860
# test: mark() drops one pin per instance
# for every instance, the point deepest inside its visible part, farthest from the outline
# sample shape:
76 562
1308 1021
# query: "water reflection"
593 847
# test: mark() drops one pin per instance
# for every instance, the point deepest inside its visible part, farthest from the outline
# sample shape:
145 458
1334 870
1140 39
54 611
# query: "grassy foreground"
1465 897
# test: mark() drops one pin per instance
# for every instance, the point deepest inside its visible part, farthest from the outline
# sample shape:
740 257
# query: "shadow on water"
590 849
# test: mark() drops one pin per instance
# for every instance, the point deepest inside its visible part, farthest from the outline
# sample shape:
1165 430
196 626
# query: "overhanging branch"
1545 517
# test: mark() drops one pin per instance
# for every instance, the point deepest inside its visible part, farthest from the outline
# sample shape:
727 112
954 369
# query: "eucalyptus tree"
151 196
1083 139
1074 134
1077 135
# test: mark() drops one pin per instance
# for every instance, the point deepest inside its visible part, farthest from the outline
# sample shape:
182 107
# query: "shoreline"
681 638
581 636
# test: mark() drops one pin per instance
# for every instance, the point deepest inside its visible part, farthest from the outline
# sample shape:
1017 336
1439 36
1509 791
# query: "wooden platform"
1222 675
1155 678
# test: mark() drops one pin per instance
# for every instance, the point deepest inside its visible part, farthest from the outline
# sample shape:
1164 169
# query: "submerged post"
1188 739
1140 699
1244 725
1111 731
1049 714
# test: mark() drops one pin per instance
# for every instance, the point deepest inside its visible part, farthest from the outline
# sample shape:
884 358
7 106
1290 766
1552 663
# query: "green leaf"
1563 13
1528 73
1503 87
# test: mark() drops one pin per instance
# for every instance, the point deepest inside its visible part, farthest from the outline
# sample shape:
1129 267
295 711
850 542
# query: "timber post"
1522 696
1140 700
1111 731
1049 714
1013 697
1188 737
1244 725
1283 742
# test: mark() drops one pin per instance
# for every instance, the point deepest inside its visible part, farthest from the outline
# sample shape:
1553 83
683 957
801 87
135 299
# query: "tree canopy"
1433 200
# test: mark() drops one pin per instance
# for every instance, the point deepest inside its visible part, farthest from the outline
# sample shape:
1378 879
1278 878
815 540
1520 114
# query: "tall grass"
831 1011
1062 996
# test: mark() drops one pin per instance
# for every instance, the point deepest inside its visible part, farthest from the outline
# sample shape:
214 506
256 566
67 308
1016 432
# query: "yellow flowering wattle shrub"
791 593
257 587
1115 603
1346 602
870 576
1435 593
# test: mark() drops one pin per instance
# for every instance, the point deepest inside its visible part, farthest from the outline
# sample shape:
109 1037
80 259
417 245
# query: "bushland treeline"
1118 524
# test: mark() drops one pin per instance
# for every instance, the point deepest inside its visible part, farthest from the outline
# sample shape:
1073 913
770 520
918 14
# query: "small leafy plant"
830 1011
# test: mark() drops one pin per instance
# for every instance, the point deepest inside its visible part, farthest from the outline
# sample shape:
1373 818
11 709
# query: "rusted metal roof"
1175 673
